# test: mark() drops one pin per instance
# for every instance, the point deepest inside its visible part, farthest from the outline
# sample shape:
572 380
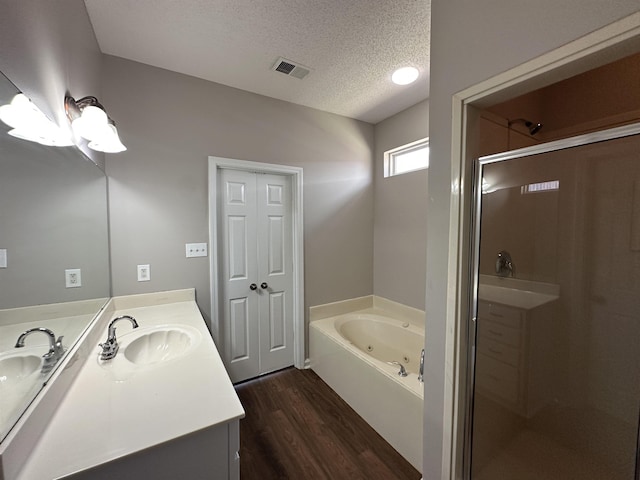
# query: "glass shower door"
556 385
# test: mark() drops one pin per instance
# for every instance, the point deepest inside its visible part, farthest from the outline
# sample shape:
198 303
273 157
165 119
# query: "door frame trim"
218 163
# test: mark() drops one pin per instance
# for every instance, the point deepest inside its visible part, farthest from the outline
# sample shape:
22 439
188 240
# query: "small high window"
407 158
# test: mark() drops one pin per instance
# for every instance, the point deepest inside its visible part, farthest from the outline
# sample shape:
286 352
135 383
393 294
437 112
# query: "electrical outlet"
144 273
72 278
196 250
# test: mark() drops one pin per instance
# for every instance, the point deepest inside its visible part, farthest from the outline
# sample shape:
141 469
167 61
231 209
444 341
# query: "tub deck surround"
361 304
114 410
391 404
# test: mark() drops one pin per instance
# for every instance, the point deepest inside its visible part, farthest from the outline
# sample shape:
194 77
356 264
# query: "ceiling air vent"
290 68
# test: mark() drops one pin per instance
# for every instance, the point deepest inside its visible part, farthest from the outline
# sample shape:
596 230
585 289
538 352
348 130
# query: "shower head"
532 127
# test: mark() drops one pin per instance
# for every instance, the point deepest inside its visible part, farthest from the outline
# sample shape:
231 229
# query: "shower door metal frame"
474 256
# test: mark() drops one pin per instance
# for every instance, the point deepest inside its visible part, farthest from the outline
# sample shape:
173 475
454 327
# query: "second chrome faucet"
56 350
110 346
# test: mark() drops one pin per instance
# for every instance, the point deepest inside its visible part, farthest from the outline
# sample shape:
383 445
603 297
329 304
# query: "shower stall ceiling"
605 97
557 386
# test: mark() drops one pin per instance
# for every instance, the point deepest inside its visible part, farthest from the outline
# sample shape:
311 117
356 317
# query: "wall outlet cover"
72 278
3 258
144 273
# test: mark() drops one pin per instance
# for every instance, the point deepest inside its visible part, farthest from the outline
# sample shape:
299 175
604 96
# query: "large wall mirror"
54 259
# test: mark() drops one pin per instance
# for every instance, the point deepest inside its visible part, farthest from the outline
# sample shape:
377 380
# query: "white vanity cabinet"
514 364
514 361
501 360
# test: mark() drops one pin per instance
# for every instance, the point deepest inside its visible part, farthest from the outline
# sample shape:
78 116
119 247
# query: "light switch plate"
3 258
196 250
72 278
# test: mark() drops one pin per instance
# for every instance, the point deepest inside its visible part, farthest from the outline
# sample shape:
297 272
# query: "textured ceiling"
351 46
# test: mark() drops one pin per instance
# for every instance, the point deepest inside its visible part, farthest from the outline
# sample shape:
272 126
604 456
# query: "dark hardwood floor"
296 427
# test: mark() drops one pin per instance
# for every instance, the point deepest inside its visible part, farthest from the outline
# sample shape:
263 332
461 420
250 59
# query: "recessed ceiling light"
405 75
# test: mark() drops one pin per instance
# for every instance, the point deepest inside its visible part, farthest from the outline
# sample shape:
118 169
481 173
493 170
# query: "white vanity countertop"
118 409
523 294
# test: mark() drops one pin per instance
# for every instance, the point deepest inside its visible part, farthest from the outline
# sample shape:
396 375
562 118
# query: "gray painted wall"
470 42
49 49
400 207
171 123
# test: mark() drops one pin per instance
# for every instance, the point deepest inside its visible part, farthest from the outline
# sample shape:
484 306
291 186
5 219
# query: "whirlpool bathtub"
352 354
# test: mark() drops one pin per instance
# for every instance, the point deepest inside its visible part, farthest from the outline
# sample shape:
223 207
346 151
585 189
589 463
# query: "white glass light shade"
108 141
44 136
405 75
29 123
91 123
19 112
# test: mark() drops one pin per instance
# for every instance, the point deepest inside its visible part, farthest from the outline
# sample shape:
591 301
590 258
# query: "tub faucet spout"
421 372
403 371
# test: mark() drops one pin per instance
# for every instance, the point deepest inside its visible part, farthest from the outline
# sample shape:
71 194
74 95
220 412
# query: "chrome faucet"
421 371
504 264
110 346
402 372
56 349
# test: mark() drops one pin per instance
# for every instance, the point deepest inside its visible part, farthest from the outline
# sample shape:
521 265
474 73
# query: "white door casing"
268 261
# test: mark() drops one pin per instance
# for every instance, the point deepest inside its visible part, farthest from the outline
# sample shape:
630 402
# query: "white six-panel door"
255 237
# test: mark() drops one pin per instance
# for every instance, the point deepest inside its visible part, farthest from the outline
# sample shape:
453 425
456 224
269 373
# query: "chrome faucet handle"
58 347
421 372
53 356
110 347
403 371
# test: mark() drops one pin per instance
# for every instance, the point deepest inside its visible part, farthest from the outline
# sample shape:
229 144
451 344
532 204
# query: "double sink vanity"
163 407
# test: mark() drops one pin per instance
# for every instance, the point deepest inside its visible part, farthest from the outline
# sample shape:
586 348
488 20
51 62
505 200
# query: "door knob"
263 285
253 286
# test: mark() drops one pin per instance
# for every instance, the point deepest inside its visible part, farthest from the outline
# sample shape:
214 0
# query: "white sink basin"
15 367
159 344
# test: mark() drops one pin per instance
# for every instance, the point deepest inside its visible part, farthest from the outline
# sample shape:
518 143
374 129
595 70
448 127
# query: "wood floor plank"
297 428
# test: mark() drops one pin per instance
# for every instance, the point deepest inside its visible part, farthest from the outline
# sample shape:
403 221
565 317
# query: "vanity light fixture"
90 121
405 75
29 123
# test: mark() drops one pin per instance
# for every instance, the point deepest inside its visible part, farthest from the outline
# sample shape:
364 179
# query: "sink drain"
369 348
